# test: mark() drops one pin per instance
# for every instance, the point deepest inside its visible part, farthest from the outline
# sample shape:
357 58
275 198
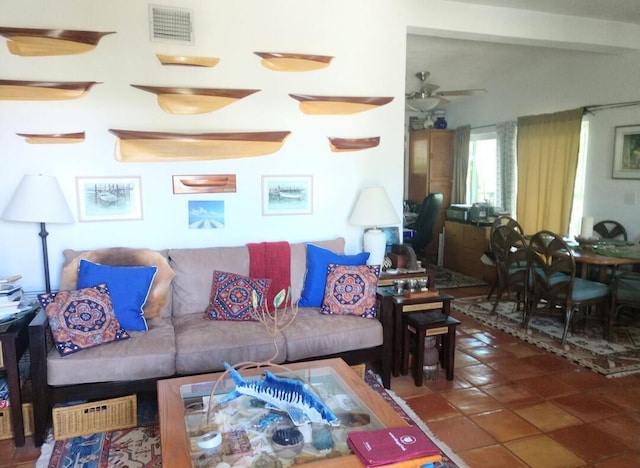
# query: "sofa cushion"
351 290
82 318
146 355
231 296
318 260
194 267
313 334
157 304
203 345
128 287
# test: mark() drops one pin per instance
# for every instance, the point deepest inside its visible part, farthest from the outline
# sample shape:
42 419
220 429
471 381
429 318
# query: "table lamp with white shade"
39 199
373 209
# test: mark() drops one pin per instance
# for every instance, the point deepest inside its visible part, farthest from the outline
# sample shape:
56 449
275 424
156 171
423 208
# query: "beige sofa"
180 342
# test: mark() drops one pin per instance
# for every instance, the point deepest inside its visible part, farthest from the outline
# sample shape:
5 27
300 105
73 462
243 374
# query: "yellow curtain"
548 148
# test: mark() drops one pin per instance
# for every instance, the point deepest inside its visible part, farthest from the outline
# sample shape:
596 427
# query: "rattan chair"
511 256
625 295
490 255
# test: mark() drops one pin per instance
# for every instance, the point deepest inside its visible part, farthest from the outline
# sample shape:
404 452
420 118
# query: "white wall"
365 64
367 38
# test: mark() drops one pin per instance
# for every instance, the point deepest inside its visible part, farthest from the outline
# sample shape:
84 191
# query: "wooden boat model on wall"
338 105
278 61
222 183
352 144
52 138
181 100
183 60
15 90
43 42
143 146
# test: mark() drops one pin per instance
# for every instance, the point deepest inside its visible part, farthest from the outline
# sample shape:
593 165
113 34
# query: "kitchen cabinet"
464 245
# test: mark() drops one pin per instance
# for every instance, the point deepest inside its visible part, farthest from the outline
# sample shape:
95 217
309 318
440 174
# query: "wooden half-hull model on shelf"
219 183
280 61
17 90
143 146
339 145
183 60
181 100
52 138
338 105
43 42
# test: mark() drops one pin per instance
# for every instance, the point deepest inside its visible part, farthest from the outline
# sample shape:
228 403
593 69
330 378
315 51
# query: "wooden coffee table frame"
173 432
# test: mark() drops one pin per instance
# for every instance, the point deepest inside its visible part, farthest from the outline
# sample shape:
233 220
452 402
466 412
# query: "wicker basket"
97 416
6 426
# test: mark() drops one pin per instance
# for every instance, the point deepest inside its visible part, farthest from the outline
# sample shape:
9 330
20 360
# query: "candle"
586 230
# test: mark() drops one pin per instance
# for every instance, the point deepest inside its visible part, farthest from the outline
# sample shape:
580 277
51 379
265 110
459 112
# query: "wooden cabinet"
464 245
431 171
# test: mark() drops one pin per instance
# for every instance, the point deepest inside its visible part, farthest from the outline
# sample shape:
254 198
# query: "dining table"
606 257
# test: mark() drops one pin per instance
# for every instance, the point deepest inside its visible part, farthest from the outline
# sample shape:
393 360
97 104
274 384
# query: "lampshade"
38 199
373 208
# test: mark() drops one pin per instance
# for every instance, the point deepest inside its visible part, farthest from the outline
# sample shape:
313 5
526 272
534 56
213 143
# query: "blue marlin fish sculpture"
287 395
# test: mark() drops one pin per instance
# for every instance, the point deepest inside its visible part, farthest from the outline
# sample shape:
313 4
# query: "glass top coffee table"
245 432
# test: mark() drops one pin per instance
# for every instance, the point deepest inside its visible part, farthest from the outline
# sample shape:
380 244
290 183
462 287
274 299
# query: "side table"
14 338
393 307
421 325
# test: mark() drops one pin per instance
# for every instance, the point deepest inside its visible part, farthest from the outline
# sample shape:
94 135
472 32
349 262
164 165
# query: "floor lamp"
39 199
374 209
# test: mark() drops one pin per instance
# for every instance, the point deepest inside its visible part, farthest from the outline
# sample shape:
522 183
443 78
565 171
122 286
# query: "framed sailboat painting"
287 195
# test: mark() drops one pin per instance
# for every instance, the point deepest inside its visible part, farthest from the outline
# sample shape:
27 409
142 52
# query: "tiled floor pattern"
510 405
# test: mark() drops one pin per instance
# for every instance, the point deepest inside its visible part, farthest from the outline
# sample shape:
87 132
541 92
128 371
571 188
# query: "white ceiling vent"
171 24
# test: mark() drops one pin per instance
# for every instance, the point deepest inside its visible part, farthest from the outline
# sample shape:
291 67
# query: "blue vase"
440 123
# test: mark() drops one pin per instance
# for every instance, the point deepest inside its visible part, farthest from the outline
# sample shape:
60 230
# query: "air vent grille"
170 24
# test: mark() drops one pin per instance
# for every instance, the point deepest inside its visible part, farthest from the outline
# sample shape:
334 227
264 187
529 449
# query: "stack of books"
10 295
398 447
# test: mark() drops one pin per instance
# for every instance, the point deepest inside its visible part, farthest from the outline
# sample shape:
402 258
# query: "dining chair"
554 287
512 263
625 294
609 229
502 220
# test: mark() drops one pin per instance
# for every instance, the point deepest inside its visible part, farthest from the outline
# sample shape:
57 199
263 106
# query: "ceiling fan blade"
462 92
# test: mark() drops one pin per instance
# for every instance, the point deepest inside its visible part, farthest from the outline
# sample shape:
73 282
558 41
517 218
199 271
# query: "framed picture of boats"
109 198
626 153
287 195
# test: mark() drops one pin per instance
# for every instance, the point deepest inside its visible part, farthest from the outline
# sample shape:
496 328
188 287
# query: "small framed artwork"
626 152
287 195
206 214
109 198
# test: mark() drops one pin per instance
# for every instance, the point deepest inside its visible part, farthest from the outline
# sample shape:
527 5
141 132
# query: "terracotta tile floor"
514 405
510 405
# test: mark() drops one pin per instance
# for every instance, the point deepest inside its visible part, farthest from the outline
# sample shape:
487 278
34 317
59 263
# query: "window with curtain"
482 172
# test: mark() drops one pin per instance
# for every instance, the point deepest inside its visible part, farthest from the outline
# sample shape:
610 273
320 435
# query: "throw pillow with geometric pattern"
351 290
231 296
82 319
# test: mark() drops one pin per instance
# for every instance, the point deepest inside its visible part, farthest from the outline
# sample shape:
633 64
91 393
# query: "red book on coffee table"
393 445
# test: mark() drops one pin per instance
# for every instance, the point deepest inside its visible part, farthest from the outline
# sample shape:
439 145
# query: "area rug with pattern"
445 278
139 447
585 343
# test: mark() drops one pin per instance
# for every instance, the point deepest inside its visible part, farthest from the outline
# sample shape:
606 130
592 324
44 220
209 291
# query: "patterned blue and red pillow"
351 290
231 296
82 318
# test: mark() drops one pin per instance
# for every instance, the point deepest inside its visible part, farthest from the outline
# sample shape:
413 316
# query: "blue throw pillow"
128 286
315 280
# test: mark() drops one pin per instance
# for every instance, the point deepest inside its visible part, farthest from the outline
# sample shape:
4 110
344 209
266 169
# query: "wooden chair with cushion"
609 229
510 252
554 287
625 295
509 222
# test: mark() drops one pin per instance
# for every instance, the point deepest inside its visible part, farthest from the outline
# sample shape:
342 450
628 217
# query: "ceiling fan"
428 97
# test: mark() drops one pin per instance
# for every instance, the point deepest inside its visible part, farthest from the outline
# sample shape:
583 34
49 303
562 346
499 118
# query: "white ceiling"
626 11
462 64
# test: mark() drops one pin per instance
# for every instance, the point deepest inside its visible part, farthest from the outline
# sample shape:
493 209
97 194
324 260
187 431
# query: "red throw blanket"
271 260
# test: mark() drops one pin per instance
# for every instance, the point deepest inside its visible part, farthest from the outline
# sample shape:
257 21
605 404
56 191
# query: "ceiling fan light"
425 103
